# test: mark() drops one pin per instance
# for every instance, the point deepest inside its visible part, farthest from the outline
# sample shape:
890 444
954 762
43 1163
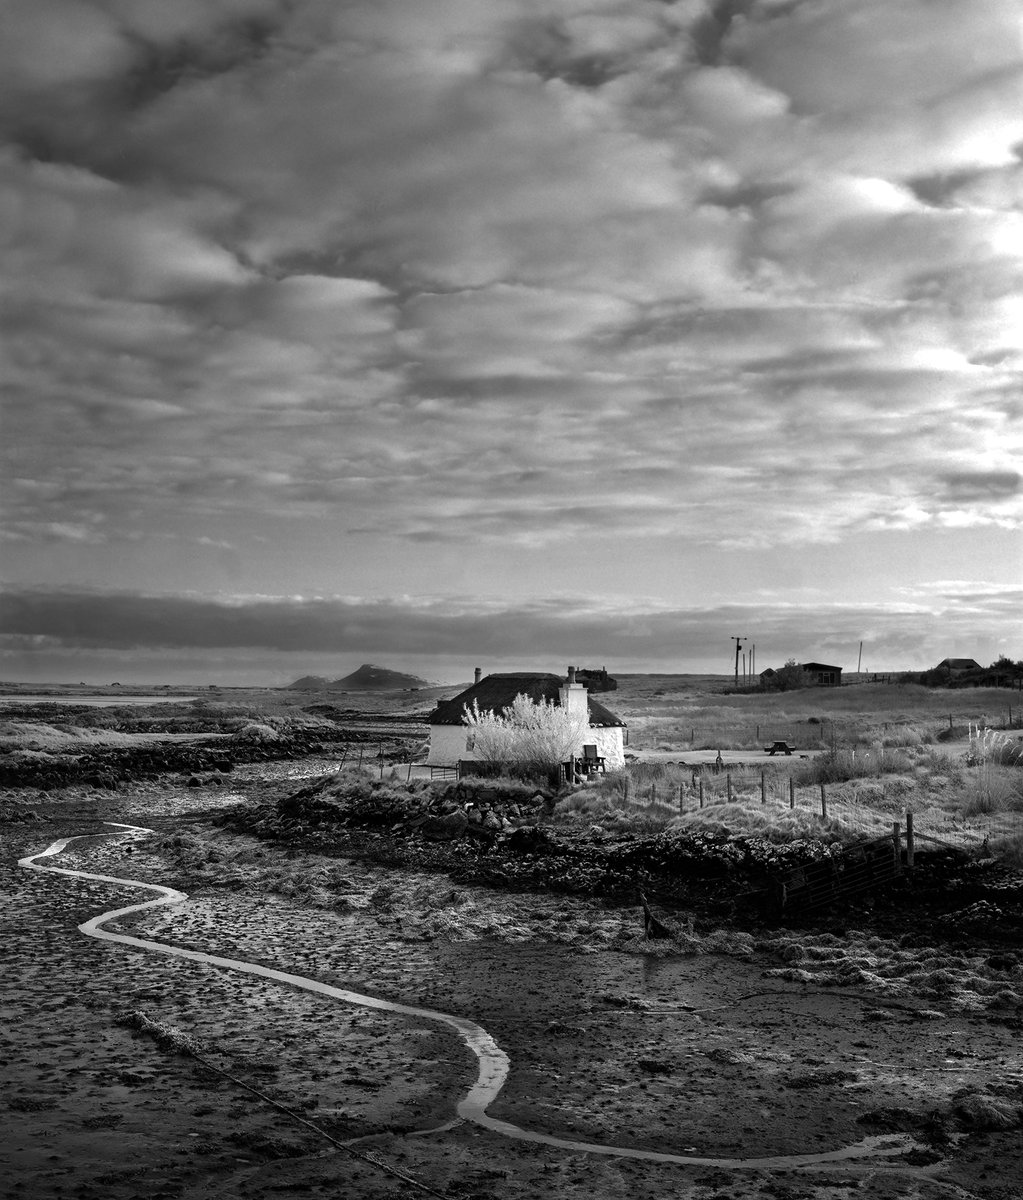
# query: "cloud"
551 628
732 275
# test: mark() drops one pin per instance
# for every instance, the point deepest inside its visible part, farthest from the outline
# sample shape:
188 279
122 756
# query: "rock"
446 828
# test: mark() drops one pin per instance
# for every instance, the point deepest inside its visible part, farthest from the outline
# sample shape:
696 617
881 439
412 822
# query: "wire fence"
776 795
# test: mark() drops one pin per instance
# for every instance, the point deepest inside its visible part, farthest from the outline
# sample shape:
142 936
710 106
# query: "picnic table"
779 748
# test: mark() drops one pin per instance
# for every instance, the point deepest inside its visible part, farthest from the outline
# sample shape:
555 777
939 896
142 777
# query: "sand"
638 1048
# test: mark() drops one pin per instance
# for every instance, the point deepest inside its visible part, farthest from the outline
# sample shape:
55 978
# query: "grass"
888 749
969 797
666 714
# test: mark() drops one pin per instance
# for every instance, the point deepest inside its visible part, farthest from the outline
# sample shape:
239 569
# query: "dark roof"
819 667
496 692
959 664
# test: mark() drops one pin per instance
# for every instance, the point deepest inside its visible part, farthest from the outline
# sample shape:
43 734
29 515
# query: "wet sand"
683 1055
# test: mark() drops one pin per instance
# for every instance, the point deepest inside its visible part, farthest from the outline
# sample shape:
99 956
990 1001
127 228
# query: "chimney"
574 698
479 675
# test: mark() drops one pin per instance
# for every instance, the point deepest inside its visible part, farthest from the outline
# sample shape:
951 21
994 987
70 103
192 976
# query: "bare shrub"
542 735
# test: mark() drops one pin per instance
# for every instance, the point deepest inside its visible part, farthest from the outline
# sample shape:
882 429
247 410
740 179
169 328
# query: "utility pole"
738 641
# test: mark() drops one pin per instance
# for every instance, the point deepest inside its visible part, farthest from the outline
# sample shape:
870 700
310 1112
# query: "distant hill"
367 678
310 683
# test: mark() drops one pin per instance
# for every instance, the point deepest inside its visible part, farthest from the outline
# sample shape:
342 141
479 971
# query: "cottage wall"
448 745
610 743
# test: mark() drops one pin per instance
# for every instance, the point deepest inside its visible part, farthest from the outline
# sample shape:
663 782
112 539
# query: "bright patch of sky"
491 308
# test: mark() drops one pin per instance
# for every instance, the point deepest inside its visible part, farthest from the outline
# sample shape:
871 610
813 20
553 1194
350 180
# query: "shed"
823 674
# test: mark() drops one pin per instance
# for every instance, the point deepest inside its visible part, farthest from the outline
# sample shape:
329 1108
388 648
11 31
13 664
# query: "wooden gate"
859 868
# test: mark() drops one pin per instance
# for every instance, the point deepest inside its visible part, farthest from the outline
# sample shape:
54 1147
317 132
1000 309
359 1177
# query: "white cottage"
450 740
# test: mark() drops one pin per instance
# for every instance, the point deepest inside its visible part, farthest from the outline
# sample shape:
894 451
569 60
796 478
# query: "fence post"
758 733
728 786
763 789
950 720
701 791
409 775
628 780
897 845
361 748
653 793
380 756
910 845
824 802
792 793
680 806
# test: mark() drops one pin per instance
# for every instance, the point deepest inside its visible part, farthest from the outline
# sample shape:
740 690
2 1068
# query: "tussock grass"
867 789
896 714
842 763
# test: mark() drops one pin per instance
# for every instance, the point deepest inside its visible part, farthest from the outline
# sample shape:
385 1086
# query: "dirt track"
680 1054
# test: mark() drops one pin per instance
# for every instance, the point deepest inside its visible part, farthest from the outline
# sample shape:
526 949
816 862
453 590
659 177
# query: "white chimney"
574 699
479 675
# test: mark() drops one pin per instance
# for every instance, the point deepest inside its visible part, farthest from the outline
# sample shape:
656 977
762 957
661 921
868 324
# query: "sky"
507 333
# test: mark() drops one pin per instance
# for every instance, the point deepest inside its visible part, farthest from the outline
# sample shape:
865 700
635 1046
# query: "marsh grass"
689 717
867 790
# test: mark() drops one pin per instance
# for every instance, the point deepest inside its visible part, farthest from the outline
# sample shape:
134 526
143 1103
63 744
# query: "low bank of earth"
729 1044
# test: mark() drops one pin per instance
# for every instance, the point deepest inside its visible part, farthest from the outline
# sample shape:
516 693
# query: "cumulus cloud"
469 271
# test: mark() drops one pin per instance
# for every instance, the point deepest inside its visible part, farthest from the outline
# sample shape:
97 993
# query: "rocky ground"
128 1073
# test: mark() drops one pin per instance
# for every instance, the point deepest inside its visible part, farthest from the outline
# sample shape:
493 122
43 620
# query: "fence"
777 796
858 869
665 730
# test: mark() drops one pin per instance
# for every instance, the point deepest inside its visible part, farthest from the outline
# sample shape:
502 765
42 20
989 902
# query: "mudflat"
130 1073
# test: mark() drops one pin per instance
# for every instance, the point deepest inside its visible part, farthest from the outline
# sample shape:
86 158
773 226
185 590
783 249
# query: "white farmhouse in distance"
450 740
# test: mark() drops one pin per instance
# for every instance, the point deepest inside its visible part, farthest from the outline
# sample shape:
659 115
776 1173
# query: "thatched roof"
496 692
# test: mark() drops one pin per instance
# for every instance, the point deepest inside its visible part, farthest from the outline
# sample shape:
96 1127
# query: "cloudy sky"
438 333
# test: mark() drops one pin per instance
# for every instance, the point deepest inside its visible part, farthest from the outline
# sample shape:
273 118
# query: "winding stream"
493 1063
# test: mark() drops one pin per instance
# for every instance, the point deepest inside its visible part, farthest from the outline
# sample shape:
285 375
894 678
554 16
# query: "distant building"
800 675
451 738
954 665
822 674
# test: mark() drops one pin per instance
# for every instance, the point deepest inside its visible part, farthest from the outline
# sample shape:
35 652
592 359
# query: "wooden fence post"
628 780
910 844
380 758
681 807
409 775
701 791
728 785
361 748
763 789
950 720
792 793
824 802
653 794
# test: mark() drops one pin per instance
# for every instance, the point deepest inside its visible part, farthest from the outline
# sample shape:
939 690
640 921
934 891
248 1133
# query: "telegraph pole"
738 641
